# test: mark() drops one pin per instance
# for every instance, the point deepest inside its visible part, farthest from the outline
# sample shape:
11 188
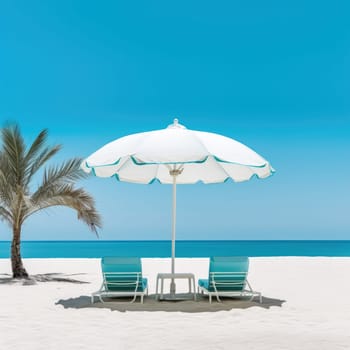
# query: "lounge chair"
227 277
121 277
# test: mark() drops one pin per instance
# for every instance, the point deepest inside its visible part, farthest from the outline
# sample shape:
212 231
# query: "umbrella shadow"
46 277
151 304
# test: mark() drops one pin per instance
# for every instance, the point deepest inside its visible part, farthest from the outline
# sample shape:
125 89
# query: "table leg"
194 289
157 295
161 288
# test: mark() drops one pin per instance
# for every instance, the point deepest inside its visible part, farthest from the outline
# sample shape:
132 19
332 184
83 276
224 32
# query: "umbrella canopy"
202 156
176 155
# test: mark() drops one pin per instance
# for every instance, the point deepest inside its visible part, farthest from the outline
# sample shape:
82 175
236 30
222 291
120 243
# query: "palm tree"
18 166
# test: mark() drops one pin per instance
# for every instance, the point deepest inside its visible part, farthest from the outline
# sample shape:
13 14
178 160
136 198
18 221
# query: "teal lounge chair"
121 277
227 277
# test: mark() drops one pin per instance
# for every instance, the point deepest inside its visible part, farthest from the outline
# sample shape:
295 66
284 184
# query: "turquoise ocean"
154 249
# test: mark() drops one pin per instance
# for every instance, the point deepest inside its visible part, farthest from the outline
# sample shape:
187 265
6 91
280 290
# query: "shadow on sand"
151 304
47 277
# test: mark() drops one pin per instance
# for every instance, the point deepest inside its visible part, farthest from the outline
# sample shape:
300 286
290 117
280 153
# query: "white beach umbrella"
176 155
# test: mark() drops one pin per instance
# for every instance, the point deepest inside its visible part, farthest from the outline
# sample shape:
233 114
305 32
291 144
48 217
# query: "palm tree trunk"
18 270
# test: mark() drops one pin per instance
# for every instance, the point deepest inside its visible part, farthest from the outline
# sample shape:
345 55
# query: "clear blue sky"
274 75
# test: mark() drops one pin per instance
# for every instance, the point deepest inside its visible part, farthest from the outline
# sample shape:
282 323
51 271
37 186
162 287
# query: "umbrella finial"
176 125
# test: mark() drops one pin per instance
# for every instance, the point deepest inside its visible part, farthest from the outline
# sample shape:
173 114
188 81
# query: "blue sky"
274 75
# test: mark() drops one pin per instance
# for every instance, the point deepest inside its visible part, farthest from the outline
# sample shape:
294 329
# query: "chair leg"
92 298
141 298
200 290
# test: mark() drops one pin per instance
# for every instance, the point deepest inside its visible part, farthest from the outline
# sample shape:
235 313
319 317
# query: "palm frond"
68 172
17 167
5 215
38 154
69 196
40 160
13 149
36 146
6 190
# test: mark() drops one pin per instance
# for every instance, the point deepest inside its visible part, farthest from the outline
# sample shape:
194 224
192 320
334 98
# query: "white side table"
173 276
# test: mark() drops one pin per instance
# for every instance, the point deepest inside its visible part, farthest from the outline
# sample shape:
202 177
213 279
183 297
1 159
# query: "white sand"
50 315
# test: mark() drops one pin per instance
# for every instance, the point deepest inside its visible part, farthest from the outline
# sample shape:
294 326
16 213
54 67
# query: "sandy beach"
305 305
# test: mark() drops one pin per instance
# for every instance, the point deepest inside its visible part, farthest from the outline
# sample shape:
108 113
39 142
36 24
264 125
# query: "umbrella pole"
174 173
173 236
